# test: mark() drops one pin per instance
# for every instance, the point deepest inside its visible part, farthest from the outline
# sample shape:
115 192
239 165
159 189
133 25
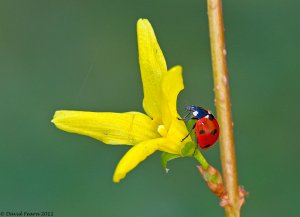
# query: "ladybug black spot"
201 131
206 146
213 132
210 117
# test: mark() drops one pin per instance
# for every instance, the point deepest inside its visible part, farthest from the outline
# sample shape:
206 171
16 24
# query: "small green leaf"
166 157
188 149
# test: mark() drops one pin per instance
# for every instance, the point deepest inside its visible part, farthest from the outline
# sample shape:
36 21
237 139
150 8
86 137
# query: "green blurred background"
82 55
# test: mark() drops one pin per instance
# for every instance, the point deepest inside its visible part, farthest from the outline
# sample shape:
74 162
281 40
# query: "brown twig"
222 101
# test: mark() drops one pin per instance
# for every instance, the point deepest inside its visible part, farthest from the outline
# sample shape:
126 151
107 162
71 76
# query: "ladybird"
206 126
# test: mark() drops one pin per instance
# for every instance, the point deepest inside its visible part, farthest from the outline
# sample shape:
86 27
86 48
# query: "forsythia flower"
158 129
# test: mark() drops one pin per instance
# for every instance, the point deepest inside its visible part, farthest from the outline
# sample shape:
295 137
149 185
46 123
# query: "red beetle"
206 126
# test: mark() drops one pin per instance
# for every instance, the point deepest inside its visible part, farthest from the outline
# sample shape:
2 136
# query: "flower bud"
213 180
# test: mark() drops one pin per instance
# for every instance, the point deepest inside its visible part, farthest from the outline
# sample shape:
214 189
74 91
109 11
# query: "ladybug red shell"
206 127
207 131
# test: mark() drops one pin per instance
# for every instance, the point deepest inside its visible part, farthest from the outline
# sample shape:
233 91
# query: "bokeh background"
82 55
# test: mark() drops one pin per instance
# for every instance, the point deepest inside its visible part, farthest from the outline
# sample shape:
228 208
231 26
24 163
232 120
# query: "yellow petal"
171 86
111 128
134 156
171 147
152 66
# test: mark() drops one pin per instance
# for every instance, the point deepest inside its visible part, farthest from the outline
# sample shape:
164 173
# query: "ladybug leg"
189 133
184 117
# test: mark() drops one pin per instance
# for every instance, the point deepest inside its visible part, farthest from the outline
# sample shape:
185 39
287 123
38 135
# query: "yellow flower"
158 129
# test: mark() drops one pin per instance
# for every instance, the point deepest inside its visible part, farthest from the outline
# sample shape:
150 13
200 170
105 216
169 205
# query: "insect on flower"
206 126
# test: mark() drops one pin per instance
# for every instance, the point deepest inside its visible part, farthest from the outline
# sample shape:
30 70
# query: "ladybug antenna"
187 104
188 108
191 108
186 115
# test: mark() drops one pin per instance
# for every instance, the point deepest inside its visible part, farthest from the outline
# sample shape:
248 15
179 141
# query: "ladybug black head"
197 112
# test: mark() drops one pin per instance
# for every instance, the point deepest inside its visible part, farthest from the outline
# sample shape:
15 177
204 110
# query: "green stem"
222 102
199 157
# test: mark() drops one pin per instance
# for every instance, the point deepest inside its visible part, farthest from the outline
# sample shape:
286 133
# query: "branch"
222 101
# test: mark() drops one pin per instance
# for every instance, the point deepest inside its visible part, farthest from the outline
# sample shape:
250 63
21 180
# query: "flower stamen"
161 129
